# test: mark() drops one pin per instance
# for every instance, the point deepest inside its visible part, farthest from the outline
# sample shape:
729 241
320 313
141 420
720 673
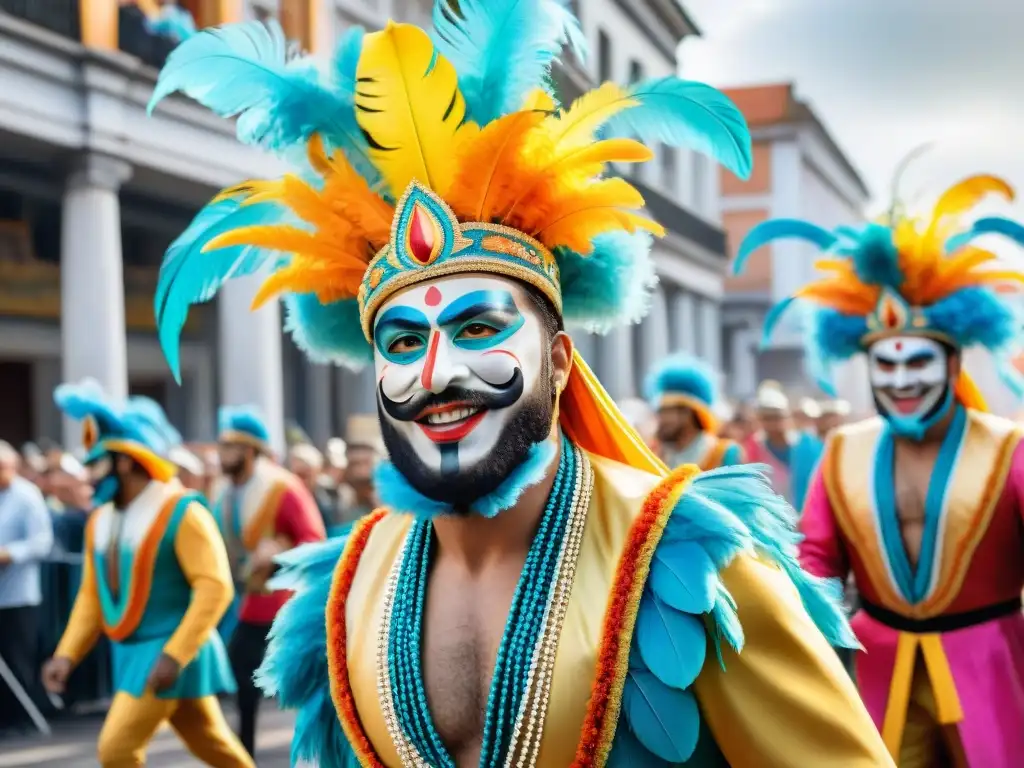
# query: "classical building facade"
92 191
799 172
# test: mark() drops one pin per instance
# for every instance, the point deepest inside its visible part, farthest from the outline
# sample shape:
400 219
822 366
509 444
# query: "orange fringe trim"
142 575
337 640
631 574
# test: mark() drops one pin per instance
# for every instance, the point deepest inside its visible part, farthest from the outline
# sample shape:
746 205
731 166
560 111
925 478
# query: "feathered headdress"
427 154
243 424
137 427
904 277
682 379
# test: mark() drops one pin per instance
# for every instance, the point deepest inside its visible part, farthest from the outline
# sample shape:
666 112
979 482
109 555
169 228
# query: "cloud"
884 75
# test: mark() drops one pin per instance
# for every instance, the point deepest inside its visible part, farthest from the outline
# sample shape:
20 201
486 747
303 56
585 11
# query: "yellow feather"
575 127
409 104
489 163
602 207
539 100
961 197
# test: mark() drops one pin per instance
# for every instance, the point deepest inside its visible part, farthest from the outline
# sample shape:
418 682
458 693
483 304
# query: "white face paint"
453 358
910 377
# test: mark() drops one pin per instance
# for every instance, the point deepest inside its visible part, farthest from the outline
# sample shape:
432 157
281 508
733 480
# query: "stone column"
743 351
654 341
250 354
616 367
711 330
92 280
318 403
683 314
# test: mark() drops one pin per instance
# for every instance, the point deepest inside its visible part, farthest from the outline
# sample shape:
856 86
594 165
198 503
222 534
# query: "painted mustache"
415 407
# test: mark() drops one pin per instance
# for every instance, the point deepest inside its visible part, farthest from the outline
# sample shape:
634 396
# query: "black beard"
529 425
939 404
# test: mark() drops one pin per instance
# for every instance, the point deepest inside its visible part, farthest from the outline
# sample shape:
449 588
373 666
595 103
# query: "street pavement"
73 744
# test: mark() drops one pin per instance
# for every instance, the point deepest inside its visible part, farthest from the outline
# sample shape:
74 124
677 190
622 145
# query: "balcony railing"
60 16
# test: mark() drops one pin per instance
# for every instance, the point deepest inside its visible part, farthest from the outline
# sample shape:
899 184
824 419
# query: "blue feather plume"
681 373
778 229
243 418
327 333
190 276
502 49
671 642
87 399
682 113
346 59
874 257
243 71
666 720
989 225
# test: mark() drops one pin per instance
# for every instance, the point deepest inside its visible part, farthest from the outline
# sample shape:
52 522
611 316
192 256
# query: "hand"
55 674
164 674
5 557
262 558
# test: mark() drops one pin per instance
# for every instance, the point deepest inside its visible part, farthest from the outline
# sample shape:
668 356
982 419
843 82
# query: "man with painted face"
538 589
682 391
924 503
155 581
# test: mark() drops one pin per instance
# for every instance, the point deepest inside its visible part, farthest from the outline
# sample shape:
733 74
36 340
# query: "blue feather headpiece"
420 154
905 277
243 424
684 380
137 427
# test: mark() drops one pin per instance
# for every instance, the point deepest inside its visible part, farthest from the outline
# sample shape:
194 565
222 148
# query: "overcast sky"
884 76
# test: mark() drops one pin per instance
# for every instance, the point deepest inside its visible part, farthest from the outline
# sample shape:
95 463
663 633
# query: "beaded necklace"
520 687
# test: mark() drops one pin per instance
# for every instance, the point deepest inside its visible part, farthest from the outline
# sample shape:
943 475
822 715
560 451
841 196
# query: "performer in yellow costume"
923 504
538 589
155 581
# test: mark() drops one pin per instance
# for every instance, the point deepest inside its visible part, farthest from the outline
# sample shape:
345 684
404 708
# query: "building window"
698 182
669 170
604 56
636 71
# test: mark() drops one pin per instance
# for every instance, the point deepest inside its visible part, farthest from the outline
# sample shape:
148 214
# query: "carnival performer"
452 219
682 391
923 502
791 453
155 582
264 511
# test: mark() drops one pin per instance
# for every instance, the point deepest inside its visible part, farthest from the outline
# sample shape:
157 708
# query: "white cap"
836 407
770 397
72 466
186 460
810 408
308 455
337 453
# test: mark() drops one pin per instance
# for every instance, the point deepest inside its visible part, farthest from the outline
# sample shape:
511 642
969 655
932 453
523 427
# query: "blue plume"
672 643
150 420
243 71
346 59
682 113
777 229
327 333
975 315
610 287
666 720
628 752
85 399
190 276
684 374
874 257
683 576
502 49
772 318
397 493
989 225
243 418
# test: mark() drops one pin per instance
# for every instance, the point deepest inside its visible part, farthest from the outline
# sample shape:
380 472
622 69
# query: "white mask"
455 360
910 380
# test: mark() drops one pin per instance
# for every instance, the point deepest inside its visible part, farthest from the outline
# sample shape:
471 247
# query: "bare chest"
463 626
912 475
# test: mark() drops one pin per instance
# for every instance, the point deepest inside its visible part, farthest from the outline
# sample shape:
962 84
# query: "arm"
204 561
85 625
39 530
785 699
822 551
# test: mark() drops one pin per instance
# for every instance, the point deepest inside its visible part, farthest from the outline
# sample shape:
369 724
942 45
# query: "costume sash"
121 615
974 485
622 517
258 506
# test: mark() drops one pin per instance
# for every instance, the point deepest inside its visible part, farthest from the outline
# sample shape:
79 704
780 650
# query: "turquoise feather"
681 373
684 577
772 318
672 642
989 225
777 229
243 71
503 49
682 113
324 331
189 276
85 399
346 59
665 720
628 752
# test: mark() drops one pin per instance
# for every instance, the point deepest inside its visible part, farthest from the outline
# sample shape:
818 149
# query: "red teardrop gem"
421 236
890 317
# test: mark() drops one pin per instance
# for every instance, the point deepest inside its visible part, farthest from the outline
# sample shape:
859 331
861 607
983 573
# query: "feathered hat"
683 380
905 277
425 154
243 424
137 427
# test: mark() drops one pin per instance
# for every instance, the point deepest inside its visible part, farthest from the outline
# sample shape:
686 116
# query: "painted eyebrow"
920 357
472 304
404 318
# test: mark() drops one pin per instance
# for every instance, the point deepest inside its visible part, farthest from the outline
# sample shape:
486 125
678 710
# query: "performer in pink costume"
923 503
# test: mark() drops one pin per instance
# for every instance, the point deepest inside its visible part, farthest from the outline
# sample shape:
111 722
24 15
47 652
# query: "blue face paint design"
401 335
914 426
481 320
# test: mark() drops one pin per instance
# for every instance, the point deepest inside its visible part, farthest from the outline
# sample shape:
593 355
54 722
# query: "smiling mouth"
451 422
907 401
